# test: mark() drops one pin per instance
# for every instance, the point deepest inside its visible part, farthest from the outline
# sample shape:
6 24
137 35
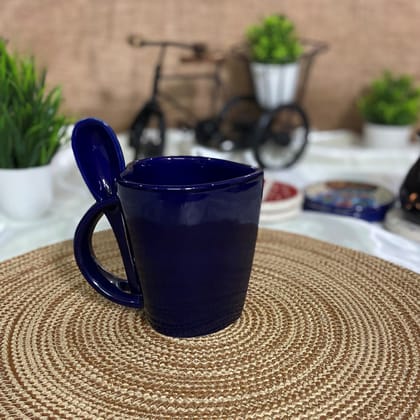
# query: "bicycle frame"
198 50
209 131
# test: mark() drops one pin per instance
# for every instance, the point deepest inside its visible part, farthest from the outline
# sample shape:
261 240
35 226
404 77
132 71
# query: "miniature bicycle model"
277 137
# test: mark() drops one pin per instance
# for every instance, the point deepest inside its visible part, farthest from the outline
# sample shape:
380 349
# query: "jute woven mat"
326 333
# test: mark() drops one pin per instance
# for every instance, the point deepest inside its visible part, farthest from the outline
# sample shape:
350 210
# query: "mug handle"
125 292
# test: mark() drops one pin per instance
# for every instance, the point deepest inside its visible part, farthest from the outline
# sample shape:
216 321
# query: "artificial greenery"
274 41
391 100
31 126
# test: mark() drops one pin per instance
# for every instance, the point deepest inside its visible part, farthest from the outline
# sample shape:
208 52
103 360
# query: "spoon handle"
116 220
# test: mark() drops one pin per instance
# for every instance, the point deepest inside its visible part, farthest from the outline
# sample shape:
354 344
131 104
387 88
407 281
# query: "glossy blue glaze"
98 155
190 226
100 160
192 223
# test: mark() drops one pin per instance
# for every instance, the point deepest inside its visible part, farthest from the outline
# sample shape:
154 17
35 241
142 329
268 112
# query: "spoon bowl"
99 157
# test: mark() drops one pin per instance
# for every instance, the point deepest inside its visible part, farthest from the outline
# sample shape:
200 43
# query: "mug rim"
255 173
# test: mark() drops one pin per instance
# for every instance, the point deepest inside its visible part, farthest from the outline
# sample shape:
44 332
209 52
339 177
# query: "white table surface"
329 155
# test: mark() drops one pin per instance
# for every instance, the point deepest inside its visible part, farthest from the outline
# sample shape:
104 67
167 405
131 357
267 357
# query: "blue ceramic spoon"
100 160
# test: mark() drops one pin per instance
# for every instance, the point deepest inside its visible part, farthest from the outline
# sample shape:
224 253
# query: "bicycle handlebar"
198 48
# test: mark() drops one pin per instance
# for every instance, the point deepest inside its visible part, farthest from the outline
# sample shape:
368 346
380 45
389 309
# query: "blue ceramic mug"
186 227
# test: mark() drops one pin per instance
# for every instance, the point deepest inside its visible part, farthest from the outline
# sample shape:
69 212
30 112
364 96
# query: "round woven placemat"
326 333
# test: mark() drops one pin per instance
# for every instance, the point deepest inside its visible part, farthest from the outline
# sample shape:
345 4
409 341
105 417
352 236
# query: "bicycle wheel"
236 123
281 137
147 132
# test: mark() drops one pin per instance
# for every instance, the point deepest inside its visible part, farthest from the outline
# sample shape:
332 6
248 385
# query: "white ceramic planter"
275 84
386 136
26 193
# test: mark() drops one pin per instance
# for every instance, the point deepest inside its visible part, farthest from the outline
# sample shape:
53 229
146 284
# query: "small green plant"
391 100
274 41
31 126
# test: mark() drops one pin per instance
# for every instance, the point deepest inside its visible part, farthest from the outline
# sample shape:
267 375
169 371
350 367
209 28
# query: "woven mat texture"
326 332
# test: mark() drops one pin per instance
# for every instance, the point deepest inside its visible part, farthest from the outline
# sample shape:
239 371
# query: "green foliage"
391 100
31 127
274 41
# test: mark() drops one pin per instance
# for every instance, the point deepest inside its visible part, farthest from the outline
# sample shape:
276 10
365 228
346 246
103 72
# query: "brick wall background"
83 44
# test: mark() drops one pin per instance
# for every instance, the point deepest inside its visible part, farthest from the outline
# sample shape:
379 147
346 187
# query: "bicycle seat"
213 57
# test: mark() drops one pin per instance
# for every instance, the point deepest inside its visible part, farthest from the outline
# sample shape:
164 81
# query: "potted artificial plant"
31 131
274 50
390 107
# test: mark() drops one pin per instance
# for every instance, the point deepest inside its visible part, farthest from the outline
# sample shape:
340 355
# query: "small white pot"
26 193
275 84
386 136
